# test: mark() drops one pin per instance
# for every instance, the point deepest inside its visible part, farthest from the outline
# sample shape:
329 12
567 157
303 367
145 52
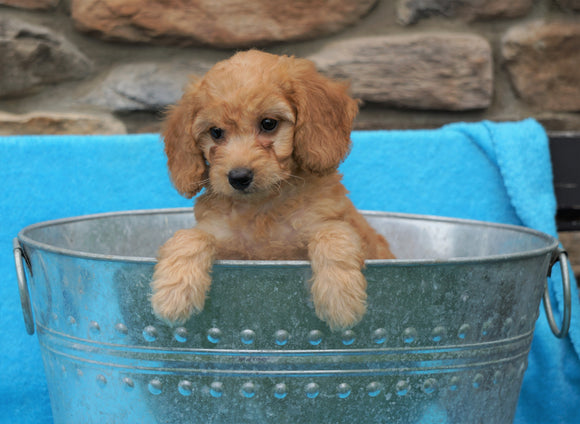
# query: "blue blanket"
487 171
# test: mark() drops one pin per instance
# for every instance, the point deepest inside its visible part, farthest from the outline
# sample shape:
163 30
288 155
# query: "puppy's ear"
185 160
325 113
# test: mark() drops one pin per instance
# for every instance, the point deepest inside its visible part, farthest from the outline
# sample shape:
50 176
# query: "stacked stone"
102 66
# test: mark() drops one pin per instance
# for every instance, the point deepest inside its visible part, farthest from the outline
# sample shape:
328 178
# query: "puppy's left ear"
185 160
325 113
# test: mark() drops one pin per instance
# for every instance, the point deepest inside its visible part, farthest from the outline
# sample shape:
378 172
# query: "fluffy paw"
179 290
340 298
181 279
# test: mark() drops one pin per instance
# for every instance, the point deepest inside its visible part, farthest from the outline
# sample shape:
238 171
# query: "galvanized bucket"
445 339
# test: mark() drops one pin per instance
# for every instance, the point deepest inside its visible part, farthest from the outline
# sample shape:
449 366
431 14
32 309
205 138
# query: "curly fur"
295 206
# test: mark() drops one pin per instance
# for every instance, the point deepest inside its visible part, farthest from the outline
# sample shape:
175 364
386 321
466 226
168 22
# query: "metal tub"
445 339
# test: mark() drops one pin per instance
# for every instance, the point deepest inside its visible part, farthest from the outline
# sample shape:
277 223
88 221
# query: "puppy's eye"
216 133
268 124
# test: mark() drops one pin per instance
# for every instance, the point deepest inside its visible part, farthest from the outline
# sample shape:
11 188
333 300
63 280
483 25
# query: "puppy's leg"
339 287
182 275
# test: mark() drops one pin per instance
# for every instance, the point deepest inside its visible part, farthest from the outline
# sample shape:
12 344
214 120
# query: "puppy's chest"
260 237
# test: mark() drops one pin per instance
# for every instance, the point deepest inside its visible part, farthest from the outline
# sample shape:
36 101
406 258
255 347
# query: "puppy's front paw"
179 290
182 275
340 298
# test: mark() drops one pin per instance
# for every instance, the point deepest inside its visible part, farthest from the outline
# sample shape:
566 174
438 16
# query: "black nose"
240 178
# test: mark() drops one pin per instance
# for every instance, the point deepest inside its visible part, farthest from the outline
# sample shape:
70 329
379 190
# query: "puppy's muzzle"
240 178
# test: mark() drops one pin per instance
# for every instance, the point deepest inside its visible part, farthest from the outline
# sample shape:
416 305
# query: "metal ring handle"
562 257
19 257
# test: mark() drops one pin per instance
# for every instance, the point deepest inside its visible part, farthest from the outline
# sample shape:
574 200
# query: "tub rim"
551 242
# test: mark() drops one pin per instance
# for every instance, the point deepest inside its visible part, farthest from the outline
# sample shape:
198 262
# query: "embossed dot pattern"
94 328
155 386
249 390
281 337
247 337
150 333
315 337
343 390
214 335
280 391
348 337
121 329
185 387
379 336
438 335
180 334
421 385
409 335
216 389
312 390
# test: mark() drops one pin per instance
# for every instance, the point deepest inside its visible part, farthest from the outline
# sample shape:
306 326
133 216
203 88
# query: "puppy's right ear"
185 160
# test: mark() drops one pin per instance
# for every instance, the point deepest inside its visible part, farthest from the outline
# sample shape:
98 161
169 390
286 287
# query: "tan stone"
33 56
423 71
558 121
223 23
410 11
59 123
543 61
31 4
145 85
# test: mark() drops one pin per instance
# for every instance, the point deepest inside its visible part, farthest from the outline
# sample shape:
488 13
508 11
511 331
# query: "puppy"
264 135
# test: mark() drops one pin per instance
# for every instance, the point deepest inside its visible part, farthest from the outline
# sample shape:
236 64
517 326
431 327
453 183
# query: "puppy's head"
252 121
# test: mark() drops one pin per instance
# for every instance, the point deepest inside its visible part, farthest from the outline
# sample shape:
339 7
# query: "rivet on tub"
247 336
487 327
497 377
409 335
454 383
348 337
150 333
281 337
343 390
94 328
374 389
429 386
379 336
248 390
315 337
477 380
121 329
185 387
438 334
312 390
464 331
214 335
180 334
155 386
101 380
216 389
280 391
128 384
72 321
402 387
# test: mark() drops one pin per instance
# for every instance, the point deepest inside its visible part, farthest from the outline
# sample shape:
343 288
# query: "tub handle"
561 256
20 257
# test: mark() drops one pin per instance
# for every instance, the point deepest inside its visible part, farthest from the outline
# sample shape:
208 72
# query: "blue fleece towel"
494 172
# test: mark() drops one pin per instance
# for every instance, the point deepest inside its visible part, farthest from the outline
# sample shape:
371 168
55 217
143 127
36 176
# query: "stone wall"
103 66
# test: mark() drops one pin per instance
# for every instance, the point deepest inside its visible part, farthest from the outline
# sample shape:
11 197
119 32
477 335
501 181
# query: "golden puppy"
264 135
